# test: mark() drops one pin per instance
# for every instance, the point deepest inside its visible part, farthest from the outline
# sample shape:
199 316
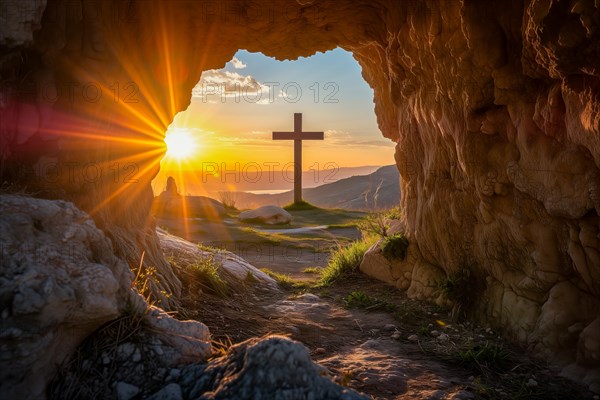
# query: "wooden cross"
298 136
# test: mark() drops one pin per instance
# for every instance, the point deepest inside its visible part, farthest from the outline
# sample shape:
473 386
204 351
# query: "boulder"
274 367
168 206
270 215
59 282
232 268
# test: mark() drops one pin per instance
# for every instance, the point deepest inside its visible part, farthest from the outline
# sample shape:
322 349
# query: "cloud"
225 84
237 63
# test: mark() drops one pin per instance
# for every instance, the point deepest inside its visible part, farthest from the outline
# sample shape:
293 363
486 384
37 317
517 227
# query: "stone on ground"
232 268
270 368
270 215
171 204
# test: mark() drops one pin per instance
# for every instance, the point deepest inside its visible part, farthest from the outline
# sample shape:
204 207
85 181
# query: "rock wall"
496 111
494 105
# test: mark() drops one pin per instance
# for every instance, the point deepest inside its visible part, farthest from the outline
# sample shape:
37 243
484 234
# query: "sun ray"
181 145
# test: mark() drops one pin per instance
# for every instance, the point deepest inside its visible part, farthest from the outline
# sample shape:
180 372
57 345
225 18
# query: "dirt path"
400 353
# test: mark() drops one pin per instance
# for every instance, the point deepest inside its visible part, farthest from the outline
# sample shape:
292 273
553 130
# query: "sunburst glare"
181 144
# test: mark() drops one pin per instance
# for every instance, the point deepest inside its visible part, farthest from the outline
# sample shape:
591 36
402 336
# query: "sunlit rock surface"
494 106
231 268
270 215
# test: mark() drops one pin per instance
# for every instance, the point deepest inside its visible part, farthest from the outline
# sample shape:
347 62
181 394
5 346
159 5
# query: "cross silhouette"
298 136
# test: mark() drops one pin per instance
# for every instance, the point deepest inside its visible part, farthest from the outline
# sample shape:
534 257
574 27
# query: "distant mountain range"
211 179
377 190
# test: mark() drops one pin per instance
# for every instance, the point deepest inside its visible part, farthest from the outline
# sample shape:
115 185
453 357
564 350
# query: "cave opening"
222 141
220 150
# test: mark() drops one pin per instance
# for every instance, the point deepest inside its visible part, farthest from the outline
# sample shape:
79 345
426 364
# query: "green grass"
284 281
344 261
312 270
361 300
394 246
394 213
485 357
330 217
250 278
209 249
347 225
205 273
301 206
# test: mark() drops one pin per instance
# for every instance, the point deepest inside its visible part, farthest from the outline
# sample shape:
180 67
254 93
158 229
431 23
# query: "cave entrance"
222 141
221 148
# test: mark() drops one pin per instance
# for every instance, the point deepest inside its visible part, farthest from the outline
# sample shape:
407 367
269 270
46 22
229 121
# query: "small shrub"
375 224
205 273
228 199
344 261
394 246
394 213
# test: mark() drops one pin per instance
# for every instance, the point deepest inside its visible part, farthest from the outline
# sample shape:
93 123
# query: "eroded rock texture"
59 282
494 105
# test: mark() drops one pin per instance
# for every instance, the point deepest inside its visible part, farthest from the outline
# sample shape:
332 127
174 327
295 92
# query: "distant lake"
267 191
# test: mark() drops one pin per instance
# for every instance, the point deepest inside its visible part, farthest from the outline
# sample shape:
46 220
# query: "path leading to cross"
298 136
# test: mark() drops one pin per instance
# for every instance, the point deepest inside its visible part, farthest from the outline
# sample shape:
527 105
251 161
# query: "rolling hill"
378 190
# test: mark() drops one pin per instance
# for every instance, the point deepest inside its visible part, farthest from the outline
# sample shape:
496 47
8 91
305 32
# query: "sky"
234 110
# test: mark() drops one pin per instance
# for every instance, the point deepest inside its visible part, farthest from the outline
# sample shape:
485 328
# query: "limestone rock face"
59 282
270 215
495 108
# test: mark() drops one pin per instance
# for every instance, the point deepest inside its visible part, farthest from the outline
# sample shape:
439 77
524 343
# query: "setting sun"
180 144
